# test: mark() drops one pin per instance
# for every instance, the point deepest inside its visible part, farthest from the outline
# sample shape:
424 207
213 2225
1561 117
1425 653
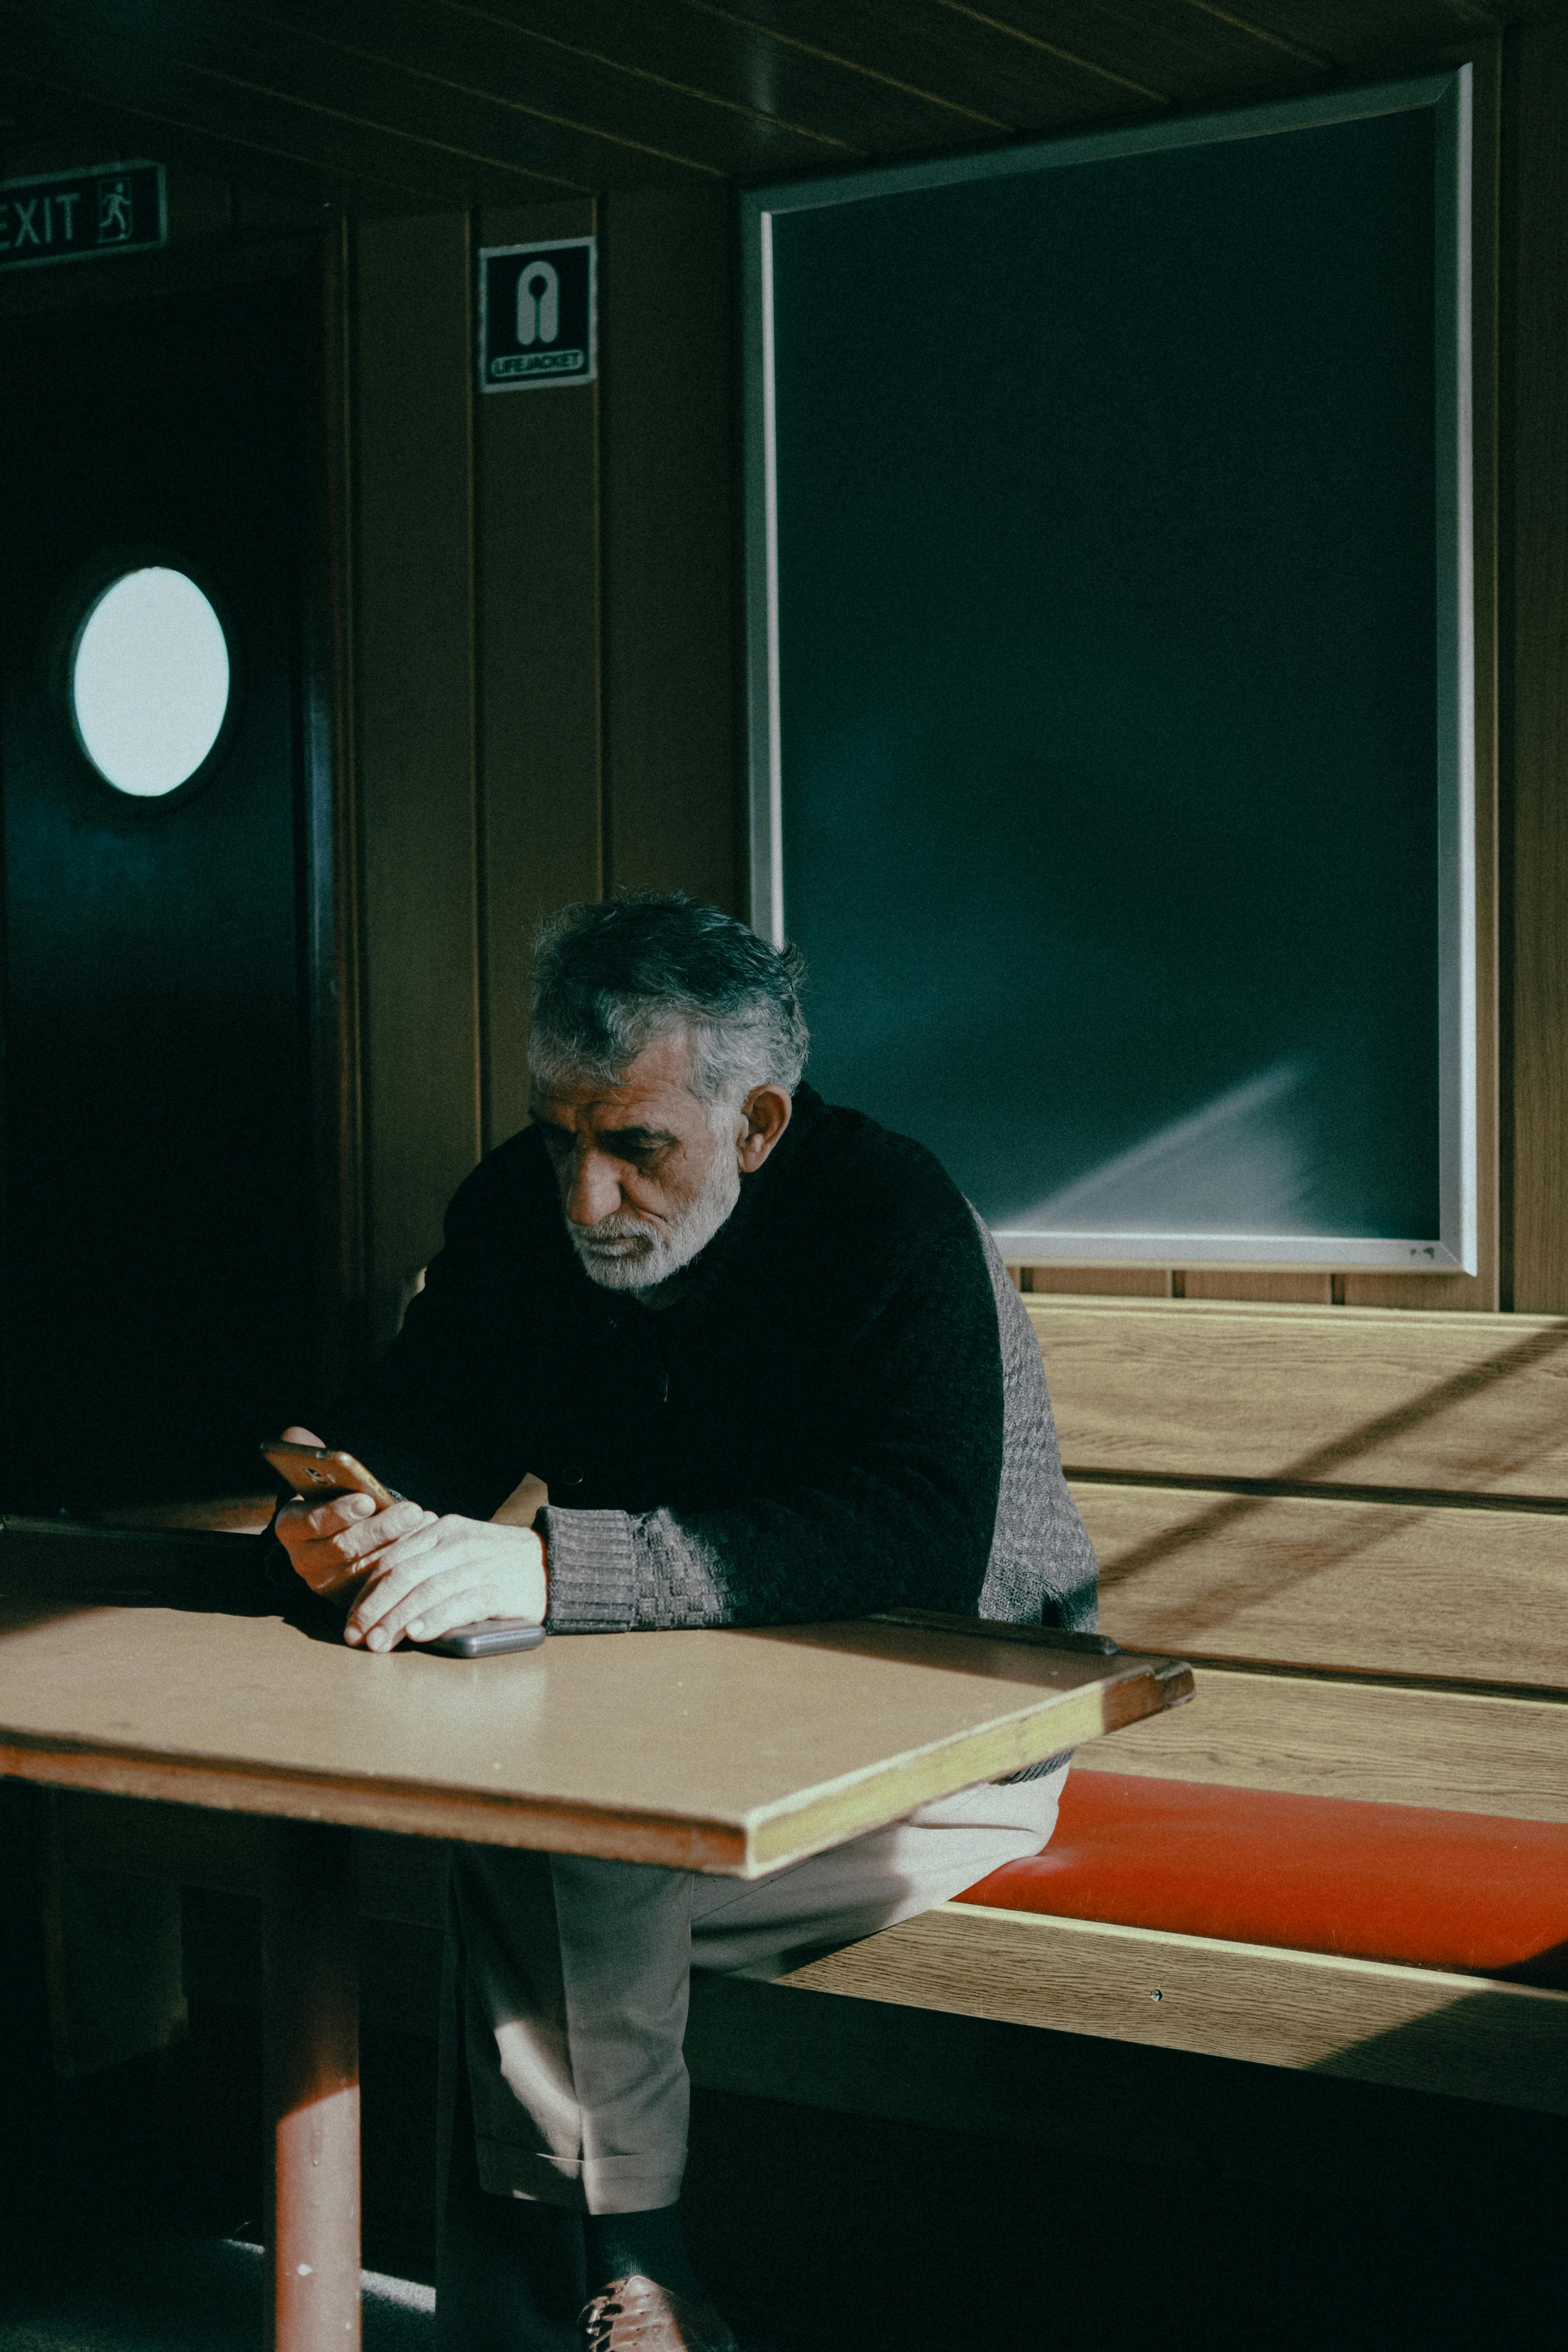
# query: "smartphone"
325 1470
485 1638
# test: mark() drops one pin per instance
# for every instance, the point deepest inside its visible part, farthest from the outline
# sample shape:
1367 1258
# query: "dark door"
158 1163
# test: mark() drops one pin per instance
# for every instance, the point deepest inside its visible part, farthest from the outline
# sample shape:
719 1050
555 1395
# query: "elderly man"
764 1360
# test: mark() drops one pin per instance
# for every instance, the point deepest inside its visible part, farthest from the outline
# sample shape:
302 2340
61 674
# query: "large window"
1111 676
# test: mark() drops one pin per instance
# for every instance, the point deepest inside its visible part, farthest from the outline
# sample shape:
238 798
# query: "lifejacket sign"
79 216
538 314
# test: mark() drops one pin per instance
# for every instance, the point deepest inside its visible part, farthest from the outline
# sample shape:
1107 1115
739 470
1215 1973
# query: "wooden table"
735 1752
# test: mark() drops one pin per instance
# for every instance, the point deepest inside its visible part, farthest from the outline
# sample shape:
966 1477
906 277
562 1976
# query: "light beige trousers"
568 1980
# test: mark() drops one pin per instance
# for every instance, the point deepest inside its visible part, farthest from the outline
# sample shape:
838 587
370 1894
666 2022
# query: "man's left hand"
450 1572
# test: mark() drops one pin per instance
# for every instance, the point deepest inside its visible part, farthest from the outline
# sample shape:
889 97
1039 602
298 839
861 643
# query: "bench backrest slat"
1376 1587
1392 1743
1434 1402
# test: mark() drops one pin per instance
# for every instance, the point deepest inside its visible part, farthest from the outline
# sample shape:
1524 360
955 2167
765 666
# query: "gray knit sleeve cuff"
592 1561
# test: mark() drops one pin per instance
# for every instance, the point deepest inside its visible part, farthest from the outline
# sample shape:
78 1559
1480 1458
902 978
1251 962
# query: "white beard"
626 1252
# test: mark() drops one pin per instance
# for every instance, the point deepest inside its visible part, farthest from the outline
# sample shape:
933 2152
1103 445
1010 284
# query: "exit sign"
76 216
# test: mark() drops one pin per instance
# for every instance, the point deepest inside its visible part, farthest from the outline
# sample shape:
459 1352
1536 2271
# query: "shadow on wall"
1326 1461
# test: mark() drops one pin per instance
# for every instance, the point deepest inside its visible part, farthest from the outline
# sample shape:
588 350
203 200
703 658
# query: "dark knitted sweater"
841 1409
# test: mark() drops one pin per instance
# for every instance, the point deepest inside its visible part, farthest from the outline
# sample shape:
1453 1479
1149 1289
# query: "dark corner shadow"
1487 2046
1315 1467
19 1616
54 1569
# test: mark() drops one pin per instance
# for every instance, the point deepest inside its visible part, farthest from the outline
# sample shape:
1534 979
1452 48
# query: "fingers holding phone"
335 1545
469 1586
333 1542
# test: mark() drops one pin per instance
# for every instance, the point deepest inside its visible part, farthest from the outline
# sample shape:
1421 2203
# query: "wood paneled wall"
544 658
671 561
539 607
545 618
541 688
417 787
1535 964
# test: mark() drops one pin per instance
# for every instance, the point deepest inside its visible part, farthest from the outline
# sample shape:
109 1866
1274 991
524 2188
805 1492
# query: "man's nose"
592 1190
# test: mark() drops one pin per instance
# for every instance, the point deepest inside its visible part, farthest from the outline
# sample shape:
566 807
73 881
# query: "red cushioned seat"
1474 1892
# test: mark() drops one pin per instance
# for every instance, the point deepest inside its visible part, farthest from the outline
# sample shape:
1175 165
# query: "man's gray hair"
610 978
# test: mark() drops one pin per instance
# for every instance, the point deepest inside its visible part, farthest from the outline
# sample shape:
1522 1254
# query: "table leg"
312 2005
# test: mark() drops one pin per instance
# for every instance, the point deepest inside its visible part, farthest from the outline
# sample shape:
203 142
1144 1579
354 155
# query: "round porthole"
149 681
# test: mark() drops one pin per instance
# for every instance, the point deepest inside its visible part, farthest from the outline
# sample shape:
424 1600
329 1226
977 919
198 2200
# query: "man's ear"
765 1115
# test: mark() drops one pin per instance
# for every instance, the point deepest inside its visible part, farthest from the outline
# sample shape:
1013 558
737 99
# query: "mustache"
620 1227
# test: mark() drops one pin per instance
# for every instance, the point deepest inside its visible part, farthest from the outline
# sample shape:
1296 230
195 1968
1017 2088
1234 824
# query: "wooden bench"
1353 1520
1351 1854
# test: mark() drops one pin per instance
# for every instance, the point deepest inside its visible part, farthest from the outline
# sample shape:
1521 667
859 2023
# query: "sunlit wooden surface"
733 1751
1420 2029
1392 1743
1361 1397
1381 1588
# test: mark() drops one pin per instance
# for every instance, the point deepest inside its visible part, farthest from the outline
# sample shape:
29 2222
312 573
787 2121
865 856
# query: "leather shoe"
635 2315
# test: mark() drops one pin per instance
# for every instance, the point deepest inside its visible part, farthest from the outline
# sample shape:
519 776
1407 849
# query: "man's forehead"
654 1092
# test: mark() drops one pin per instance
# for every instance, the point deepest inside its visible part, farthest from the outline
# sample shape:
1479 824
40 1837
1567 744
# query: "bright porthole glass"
150 681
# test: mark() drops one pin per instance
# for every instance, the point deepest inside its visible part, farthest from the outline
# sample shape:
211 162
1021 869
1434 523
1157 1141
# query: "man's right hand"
334 1545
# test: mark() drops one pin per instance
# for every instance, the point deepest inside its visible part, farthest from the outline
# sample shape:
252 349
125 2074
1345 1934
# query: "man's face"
647 1176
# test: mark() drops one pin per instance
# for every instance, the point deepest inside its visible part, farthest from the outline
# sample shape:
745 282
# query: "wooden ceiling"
404 104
